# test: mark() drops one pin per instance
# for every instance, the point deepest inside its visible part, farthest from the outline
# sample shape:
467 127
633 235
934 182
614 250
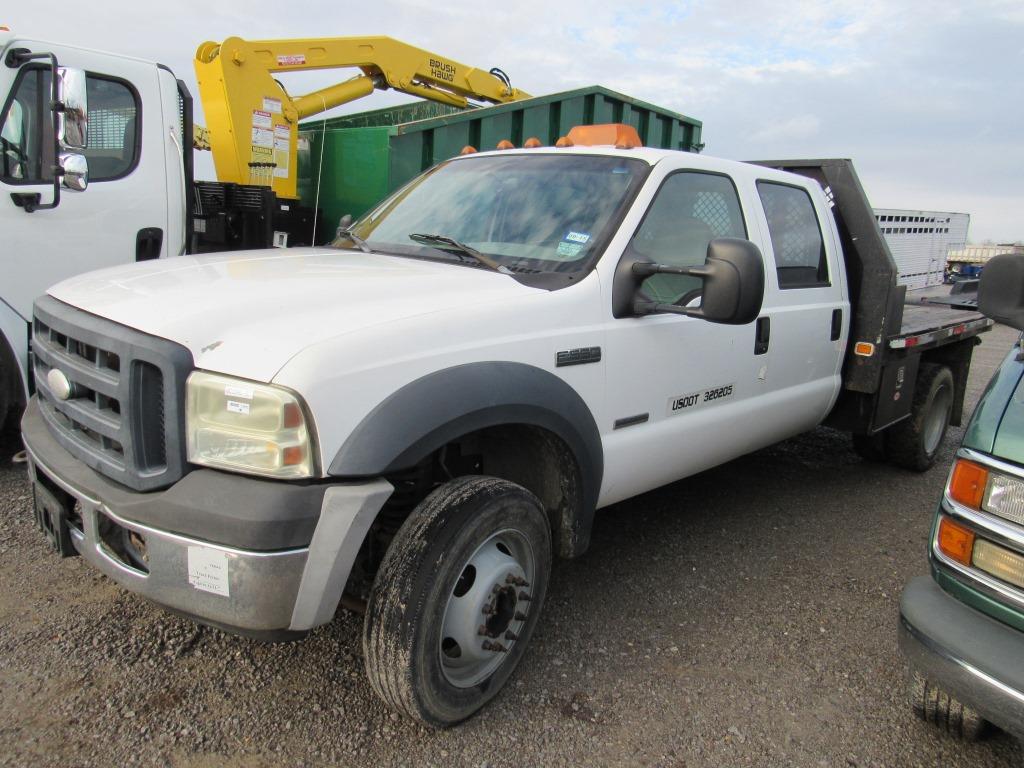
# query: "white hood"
248 313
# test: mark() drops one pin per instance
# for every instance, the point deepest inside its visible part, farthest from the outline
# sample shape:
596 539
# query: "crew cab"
424 414
962 628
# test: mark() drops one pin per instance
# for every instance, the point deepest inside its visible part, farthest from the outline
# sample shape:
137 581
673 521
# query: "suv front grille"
124 413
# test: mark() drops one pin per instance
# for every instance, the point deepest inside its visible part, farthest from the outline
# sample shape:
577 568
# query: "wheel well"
12 397
527 455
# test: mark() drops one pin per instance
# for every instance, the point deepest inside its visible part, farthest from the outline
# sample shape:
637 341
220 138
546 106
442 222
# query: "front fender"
434 410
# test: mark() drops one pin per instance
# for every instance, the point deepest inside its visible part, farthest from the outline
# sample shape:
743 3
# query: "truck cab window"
26 135
113 128
796 236
691 209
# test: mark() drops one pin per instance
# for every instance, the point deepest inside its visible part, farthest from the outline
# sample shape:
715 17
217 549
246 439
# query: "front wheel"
457 598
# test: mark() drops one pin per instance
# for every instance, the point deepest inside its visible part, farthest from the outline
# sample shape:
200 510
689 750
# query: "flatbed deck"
918 318
925 326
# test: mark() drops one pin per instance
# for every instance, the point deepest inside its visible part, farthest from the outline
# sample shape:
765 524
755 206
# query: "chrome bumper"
246 591
972 657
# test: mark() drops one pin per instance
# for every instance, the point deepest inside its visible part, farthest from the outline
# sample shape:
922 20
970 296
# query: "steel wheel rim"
935 424
487 608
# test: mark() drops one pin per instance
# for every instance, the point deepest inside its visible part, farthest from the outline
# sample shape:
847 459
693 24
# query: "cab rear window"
797 242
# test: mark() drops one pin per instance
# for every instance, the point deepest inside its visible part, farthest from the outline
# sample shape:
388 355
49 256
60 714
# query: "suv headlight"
978 487
247 427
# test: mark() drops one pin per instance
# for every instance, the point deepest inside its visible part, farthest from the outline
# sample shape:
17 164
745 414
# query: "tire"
870 447
933 705
475 544
914 442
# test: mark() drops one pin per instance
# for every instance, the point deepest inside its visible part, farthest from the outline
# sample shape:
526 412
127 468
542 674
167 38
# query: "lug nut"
482 630
525 596
520 616
488 610
516 581
496 647
510 635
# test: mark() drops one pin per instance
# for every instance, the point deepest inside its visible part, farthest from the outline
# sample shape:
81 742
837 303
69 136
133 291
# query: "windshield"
542 213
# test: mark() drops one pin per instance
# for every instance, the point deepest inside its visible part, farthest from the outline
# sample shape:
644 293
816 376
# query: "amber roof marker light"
618 135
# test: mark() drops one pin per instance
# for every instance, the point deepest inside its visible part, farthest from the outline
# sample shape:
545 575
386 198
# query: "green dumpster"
350 163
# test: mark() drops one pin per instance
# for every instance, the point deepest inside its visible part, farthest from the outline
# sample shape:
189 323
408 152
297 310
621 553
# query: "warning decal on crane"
293 60
262 119
262 137
282 135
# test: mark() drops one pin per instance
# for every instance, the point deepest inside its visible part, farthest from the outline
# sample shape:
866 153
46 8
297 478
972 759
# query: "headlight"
1004 496
978 487
247 427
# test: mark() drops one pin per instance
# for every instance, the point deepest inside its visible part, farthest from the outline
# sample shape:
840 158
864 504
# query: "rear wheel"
457 598
914 442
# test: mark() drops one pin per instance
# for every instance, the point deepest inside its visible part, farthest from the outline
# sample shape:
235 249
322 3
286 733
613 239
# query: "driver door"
681 388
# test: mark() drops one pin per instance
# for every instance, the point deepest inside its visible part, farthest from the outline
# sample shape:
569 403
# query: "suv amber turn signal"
967 483
955 541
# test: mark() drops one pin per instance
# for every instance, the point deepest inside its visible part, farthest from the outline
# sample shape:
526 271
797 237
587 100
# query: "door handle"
148 243
762 335
837 323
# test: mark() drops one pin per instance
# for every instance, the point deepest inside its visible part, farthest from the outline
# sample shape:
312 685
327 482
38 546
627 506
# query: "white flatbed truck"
426 413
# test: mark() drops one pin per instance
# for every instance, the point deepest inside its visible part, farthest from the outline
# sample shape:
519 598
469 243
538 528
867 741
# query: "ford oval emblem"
59 384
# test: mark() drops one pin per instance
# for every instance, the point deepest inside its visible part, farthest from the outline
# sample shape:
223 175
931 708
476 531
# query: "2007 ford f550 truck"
434 408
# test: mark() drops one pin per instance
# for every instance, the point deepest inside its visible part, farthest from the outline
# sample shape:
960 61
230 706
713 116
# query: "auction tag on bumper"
208 570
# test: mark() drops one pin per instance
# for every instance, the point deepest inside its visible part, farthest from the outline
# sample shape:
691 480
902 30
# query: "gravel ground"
746 616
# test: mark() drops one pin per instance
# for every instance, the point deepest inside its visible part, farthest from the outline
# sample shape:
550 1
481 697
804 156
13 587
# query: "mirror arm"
27 202
653 307
644 269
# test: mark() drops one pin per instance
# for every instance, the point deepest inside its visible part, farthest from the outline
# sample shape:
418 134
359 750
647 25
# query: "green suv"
962 628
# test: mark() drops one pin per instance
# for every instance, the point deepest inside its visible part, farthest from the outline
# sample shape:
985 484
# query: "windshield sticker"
572 244
568 249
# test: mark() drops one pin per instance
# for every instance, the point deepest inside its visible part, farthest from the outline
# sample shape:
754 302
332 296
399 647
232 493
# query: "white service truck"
73 118
426 413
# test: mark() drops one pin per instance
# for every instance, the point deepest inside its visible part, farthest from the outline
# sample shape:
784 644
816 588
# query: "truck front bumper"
271 561
974 658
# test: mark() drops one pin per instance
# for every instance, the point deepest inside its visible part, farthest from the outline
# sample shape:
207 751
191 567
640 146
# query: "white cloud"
926 97
794 129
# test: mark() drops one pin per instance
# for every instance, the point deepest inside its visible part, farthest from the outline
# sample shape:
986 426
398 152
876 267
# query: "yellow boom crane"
253 121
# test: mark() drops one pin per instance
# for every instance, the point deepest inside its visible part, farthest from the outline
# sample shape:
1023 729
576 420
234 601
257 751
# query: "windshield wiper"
469 250
360 243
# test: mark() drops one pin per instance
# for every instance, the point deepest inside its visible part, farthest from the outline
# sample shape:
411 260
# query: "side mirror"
72 119
733 276
1001 290
76 171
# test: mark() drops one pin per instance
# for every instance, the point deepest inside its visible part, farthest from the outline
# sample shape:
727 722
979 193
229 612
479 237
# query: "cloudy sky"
928 100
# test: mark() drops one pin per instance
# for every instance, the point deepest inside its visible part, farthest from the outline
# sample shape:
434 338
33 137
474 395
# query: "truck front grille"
123 414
